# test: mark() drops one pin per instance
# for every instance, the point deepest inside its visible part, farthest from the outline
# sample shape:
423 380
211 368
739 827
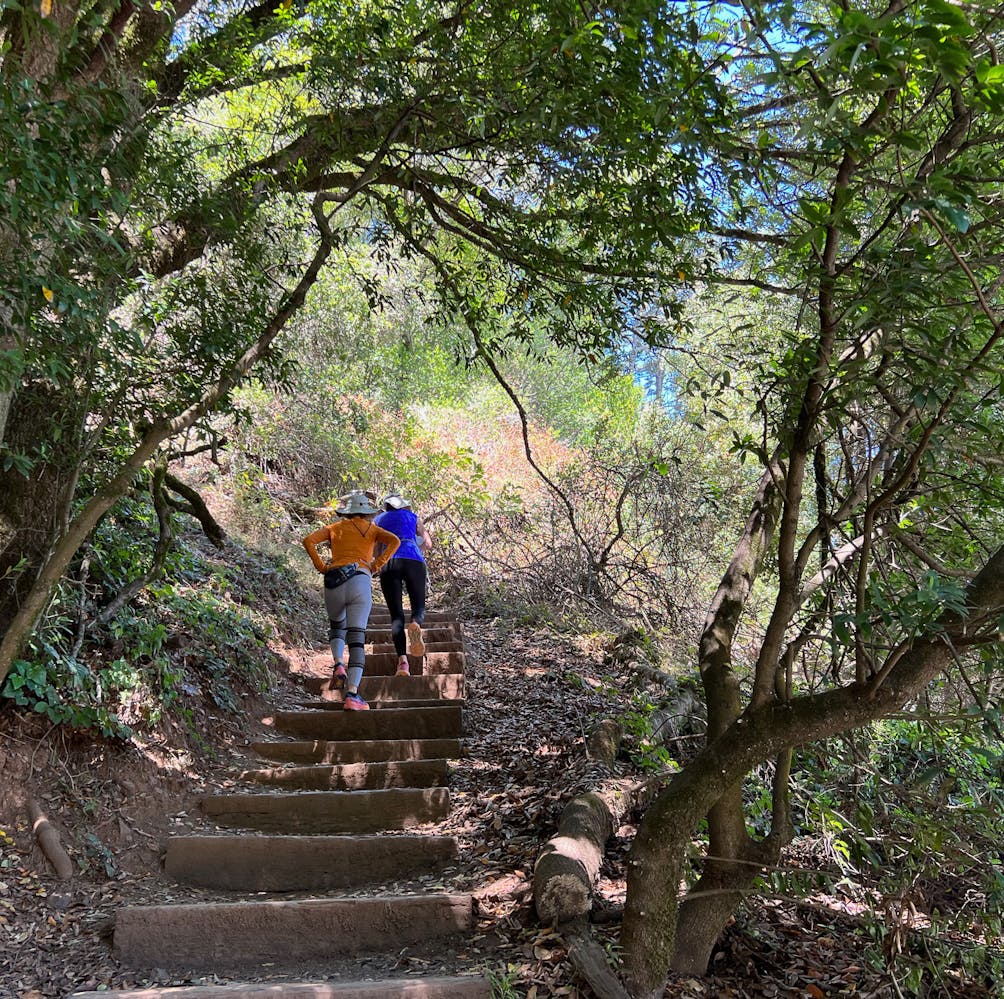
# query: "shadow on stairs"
325 838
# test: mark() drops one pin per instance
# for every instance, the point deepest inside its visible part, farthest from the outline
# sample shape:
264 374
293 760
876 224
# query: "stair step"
441 722
373 751
379 615
355 776
295 863
222 937
336 702
380 664
437 633
330 811
458 987
443 687
447 686
450 645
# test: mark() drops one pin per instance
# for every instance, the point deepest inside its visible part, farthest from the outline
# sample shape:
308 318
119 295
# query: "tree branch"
162 429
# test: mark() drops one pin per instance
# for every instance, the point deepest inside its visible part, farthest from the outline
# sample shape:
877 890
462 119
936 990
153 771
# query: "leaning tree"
176 177
868 228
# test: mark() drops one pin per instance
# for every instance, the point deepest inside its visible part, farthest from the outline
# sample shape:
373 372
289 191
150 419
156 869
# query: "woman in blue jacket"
405 571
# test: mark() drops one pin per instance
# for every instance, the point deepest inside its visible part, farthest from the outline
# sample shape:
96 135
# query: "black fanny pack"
341 574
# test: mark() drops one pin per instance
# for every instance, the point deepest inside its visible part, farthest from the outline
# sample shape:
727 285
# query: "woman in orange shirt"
348 589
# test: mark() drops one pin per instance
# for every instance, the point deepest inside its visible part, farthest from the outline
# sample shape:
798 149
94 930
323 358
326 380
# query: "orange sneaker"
353 702
416 647
338 678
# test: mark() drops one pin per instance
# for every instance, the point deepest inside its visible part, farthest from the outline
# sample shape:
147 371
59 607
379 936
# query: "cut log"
48 840
604 742
568 864
590 960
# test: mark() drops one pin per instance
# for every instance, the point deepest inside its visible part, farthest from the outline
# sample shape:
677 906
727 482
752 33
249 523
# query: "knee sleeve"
355 639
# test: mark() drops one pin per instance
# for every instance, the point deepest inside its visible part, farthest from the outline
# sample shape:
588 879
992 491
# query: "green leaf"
991 75
957 217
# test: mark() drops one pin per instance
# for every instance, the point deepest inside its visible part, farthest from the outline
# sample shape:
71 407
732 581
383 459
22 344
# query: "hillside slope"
532 698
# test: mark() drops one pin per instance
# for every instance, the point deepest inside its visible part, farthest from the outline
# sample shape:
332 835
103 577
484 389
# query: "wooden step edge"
281 863
383 703
439 987
230 937
441 720
438 707
438 687
329 812
342 751
262 800
349 776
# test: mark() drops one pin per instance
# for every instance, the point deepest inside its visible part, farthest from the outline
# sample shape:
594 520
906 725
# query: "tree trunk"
567 868
590 960
32 507
655 869
196 507
728 872
5 401
735 861
90 513
717 893
604 742
48 840
569 863
649 935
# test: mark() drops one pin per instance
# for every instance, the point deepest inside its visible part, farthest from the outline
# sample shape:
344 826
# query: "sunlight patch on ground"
177 760
591 645
474 764
614 891
550 749
301 661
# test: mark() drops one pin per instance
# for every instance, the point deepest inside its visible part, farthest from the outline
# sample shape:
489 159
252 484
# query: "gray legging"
348 608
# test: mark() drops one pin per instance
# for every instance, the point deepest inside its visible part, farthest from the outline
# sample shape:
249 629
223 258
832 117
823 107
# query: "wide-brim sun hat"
355 502
394 501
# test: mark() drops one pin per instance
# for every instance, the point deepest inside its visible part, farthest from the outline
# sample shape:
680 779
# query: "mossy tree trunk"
655 902
33 505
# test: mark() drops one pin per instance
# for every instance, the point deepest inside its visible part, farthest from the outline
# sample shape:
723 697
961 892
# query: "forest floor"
532 698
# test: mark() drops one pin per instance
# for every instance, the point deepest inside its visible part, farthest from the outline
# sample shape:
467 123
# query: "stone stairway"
324 830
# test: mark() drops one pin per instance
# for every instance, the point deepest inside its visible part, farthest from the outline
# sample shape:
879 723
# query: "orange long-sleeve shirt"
351 540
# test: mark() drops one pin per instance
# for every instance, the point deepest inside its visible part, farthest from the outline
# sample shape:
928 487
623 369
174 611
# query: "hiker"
348 590
405 571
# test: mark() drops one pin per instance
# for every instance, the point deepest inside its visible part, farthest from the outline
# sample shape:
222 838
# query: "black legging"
400 574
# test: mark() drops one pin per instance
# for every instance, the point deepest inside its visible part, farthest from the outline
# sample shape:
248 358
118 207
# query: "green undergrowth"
195 637
906 819
898 824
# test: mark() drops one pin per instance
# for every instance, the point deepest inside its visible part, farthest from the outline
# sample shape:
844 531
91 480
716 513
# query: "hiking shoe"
338 678
416 647
353 702
403 669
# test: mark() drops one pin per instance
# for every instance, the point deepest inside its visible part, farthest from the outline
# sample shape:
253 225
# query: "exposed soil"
531 701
